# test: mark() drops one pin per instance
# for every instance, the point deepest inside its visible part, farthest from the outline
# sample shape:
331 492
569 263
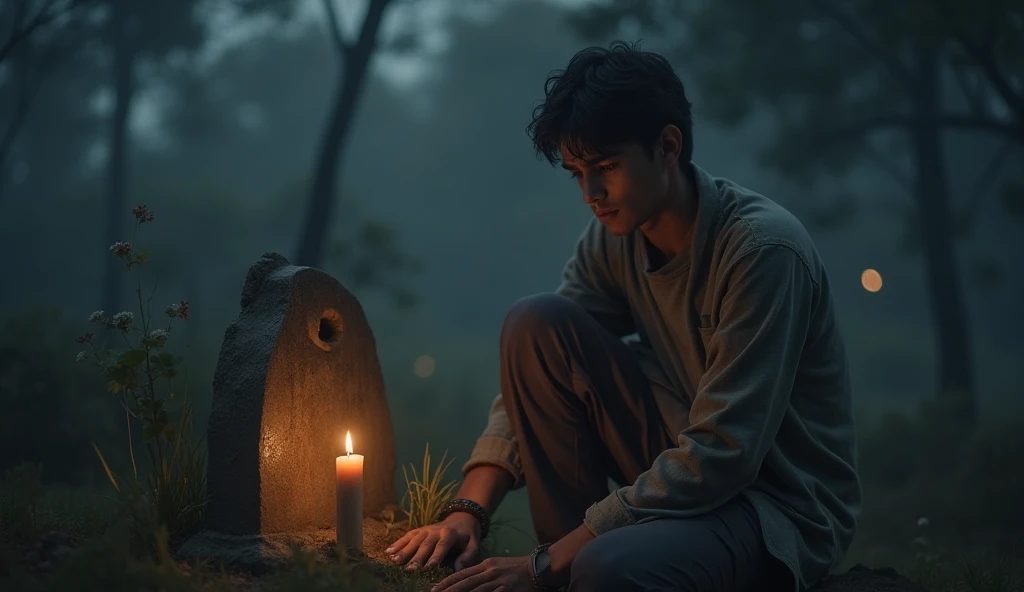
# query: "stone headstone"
297 369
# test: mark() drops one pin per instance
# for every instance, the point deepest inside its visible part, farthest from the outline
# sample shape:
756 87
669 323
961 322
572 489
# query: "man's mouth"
605 214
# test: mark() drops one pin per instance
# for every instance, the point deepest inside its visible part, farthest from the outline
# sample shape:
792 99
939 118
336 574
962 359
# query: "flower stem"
131 447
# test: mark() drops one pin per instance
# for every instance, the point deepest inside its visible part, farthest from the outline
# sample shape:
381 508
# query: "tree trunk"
949 312
320 208
117 167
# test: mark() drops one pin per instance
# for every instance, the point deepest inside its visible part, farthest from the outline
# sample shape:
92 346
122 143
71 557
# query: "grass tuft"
425 495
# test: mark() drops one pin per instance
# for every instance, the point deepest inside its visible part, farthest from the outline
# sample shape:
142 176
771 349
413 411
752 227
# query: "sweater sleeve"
752 361
497 445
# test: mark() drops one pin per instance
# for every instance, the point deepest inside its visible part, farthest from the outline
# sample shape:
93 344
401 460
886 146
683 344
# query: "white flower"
123 320
922 522
81 356
158 336
96 317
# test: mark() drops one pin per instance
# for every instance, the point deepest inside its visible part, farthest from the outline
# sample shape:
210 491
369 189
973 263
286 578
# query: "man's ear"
670 145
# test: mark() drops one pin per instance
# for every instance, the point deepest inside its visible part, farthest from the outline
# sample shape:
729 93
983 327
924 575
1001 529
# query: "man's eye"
606 167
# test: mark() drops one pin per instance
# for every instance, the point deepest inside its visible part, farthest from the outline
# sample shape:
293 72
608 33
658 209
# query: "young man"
692 354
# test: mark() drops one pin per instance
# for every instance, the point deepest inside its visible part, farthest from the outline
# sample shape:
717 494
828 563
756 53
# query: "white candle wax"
349 473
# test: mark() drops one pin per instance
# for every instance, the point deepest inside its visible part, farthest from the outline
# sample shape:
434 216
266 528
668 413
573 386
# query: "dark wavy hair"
608 97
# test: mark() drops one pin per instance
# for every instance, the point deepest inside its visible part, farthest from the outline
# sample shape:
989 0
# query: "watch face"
543 562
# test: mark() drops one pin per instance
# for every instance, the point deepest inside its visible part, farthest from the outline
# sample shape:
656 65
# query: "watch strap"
538 579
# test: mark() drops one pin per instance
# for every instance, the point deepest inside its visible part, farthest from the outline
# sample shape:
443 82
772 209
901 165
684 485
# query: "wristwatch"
540 568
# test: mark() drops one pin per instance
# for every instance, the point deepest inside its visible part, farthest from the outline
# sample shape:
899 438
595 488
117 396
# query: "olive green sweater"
744 351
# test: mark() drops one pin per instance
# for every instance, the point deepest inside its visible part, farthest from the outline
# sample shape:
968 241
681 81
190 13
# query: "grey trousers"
583 412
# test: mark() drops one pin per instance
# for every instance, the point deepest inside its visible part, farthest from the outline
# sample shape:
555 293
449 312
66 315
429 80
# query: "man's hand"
429 545
510 574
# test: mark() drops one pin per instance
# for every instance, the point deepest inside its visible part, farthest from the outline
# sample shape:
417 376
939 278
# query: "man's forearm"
564 551
486 485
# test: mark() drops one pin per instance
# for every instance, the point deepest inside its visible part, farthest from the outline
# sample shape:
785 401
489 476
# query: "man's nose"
593 190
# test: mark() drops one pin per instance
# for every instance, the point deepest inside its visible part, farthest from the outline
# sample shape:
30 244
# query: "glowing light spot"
424 366
871 280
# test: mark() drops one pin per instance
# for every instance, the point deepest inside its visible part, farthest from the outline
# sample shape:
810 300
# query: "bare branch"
334 24
987 62
973 96
981 189
983 55
20 31
371 22
885 164
50 11
896 68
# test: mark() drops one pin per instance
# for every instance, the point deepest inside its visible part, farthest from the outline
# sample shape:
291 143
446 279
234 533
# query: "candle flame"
348 442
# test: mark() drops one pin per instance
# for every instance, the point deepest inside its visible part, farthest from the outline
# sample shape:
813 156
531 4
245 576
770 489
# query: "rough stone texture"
864 579
297 368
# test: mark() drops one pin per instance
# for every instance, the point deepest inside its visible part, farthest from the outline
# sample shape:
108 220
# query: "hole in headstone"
328 331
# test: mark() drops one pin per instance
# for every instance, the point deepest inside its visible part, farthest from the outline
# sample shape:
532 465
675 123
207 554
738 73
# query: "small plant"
424 494
142 376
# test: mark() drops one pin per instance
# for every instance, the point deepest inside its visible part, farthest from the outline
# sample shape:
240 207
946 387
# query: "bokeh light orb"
424 366
871 280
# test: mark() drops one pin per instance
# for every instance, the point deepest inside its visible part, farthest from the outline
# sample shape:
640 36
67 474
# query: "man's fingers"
411 546
481 582
485 587
457 578
426 548
444 545
400 543
468 556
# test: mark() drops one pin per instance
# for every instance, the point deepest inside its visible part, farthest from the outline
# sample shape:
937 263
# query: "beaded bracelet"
469 507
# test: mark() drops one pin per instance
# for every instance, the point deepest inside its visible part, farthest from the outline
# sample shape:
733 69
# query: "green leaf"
120 375
165 364
131 358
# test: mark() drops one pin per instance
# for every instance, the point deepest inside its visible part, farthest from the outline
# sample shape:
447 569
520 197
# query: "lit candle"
349 472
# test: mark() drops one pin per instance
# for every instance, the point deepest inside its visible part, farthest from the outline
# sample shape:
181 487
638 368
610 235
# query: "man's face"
624 189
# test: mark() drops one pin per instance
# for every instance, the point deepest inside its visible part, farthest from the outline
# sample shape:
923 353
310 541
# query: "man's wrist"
467 506
540 569
564 551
